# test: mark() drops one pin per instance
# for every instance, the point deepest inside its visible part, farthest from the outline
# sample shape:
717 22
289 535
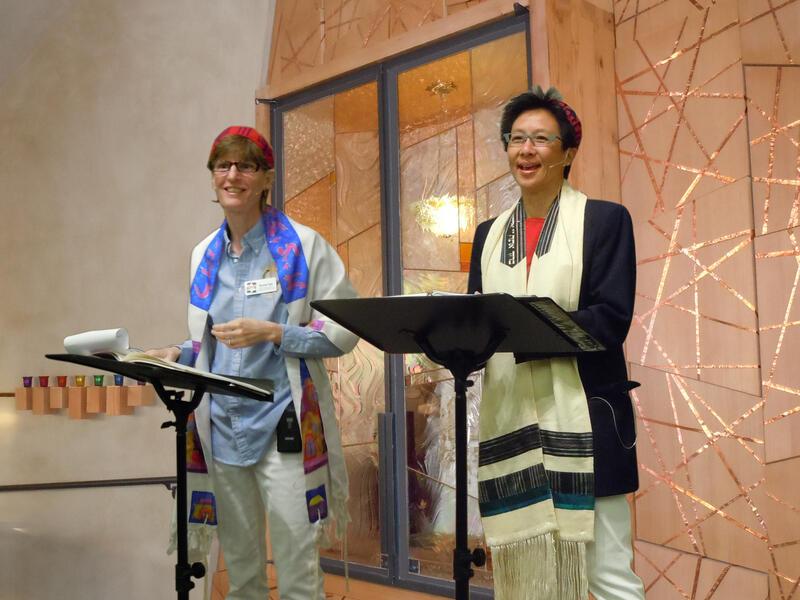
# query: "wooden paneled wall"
710 169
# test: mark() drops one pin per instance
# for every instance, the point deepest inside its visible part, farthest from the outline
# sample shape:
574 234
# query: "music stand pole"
172 399
461 364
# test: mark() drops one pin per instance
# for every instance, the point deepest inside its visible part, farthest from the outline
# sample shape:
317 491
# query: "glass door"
395 166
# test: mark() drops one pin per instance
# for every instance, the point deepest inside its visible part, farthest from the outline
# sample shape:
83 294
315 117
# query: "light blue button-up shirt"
241 428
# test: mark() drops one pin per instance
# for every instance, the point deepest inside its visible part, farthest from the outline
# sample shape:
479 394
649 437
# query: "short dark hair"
536 99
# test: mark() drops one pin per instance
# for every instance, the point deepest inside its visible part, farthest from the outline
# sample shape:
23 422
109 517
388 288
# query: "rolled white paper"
94 342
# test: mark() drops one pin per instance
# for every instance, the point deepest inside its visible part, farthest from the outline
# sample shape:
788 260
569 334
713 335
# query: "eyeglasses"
224 166
539 139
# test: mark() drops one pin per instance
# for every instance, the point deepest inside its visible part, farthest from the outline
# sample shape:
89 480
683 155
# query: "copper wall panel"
308 149
639 20
778 275
711 191
773 118
781 511
673 575
702 448
769 31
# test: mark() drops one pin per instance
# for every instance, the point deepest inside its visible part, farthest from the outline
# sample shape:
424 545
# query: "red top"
533 229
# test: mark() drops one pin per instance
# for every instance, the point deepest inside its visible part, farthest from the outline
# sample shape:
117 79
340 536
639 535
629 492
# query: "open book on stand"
113 344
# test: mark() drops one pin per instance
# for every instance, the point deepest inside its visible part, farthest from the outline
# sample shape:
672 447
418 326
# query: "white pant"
275 485
608 559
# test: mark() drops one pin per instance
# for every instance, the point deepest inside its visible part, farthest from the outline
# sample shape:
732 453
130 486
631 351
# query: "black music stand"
161 378
461 332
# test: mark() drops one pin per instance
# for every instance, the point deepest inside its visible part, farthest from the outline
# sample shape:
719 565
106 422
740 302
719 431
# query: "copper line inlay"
652 107
685 463
779 254
783 415
662 573
679 106
699 546
707 516
790 182
716 434
688 169
693 312
681 52
789 305
779 325
784 129
782 502
718 582
706 271
785 544
780 32
772 9
638 12
692 93
661 285
775 125
696 578
714 156
695 498
730 431
640 143
720 455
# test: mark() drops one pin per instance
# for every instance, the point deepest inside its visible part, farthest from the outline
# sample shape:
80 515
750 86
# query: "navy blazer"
605 310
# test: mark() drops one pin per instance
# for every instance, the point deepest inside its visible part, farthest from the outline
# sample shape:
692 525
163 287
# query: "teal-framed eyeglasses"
223 166
517 138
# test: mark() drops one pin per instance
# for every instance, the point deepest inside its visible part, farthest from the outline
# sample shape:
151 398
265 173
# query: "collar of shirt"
253 240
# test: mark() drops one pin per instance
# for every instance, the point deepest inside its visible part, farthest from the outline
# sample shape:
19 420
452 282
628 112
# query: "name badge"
254 287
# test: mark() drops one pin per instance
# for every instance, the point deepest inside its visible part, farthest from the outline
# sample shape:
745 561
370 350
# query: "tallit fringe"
540 568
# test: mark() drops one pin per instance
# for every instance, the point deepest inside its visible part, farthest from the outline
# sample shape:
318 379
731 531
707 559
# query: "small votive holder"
96 396
23 396
76 398
117 400
40 402
59 395
119 380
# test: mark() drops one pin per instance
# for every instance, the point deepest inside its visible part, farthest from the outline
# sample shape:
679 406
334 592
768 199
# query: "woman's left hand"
242 333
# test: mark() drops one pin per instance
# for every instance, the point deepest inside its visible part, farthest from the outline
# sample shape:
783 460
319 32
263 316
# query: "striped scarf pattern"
536 466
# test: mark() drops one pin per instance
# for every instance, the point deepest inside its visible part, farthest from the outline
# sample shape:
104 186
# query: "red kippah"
252 135
573 119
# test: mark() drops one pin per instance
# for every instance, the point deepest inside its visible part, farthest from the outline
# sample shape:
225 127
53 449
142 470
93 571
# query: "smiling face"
237 192
538 169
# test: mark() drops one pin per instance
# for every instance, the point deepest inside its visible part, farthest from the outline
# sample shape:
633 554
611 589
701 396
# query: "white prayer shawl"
326 279
536 468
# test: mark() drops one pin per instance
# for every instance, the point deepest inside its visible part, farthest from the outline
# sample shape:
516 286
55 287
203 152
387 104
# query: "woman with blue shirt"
250 316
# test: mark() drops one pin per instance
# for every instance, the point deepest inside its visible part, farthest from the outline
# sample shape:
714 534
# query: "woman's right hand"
170 353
